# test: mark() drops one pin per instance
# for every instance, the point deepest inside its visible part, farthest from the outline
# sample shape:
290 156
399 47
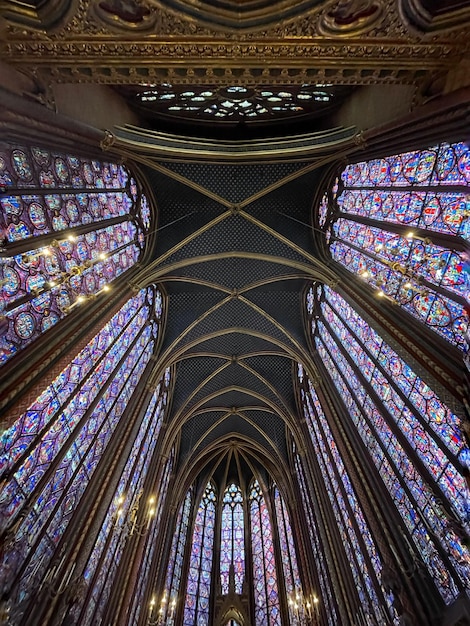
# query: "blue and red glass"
91 229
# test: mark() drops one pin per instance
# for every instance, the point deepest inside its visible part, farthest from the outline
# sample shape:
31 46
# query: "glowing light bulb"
80 299
410 235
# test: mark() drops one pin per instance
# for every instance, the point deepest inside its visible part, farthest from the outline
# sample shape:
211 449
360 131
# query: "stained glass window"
356 537
411 435
401 224
236 101
144 575
120 521
49 456
266 596
292 581
197 607
316 543
71 226
175 563
232 542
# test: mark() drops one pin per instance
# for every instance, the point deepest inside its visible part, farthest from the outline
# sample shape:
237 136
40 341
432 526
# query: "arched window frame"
176 558
401 225
232 540
410 485
197 607
292 582
361 550
318 548
265 588
70 226
121 517
53 449
145 574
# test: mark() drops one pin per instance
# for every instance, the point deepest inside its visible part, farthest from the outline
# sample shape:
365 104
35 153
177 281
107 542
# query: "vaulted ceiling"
235 255
235 251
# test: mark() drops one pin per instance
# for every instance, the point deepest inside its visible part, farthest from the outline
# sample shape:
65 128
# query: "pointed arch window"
292 580
196 610
326 585
145 572
128 498
232 541
70 226
49 455
266 595
175 563
412 437
401 224
356 537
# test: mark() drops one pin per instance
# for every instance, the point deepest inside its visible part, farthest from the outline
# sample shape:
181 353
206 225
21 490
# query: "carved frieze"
348 42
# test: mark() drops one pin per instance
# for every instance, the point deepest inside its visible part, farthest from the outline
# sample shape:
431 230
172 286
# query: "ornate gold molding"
359 42
219 62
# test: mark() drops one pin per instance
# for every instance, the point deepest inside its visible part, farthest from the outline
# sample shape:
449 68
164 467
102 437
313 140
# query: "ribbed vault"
235 286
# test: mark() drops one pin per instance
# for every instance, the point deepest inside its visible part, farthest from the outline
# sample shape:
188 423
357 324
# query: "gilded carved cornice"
185 48
201 61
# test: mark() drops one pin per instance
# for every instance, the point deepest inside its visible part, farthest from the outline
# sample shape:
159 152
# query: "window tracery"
400 223
266 595
49 455
196 609
412 438
317 546
361 550
237 101
70 226
232 542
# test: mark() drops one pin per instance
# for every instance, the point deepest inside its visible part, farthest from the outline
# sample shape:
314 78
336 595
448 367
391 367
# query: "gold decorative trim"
146 146
226 290
159 273
221 62
173 355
